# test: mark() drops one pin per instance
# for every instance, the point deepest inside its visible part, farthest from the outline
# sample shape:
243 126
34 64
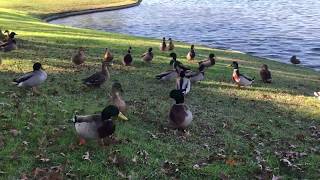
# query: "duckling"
116 98
32 79
183 84
10 44
265 74
196 76
97 126
294 60
127 59
148 56
179 116
163 45
108 57
171 45
79 57
98 78
238 78
191 54
209 62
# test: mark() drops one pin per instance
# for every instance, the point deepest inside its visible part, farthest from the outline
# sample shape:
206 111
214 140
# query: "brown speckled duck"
98 78
209 62
163 45
10 44
171 45
108 57
79 57
191 54
265 74
148 56
116 98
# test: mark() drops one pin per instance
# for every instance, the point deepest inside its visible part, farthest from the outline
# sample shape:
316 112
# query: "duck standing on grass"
10 44
108 57
98 78
265 74
127 59
79 57
294 60
163 45
238 78
183 84
196 76
32 79
191 54
2 36
148 56
180 117
177 65
116 98
97 126
171 45
209 62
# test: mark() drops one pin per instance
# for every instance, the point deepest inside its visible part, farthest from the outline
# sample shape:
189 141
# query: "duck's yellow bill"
230 65
122 117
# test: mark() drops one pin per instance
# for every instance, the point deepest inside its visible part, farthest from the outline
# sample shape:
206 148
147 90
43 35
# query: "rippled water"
275 29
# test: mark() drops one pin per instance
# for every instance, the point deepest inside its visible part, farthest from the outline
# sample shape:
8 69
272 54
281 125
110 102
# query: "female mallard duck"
171 45
196 76
108 57
183 84
209 62
294 60
238 78
79 57
97 126
148 56
179 116
127 59
32 79
2 36
98 78
10 44
163 45
265 74
191 54
116 98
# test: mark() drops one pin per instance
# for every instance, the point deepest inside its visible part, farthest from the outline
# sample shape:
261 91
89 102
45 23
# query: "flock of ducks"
99 126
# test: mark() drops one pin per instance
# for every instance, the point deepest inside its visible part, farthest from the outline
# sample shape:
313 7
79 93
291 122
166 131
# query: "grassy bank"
234 132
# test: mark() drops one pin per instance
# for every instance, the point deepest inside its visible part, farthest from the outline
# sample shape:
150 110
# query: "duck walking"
238 78
97 126
98 78
265 74
32 79
148 56
79 57
163 45
127 59
171 45
179 116
211 61
116 98
183 84
108 57
10 43
196 76
191 54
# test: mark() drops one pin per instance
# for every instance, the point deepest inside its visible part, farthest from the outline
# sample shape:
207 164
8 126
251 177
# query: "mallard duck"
171 45
265 74
7 35
238 78
116 98
148 56
179 116
79 57
163 45
209 62
32 79
98 78
294 60
97 126
10 44
127 59
2 36
177 65
108 57
196 76
183 84
192 53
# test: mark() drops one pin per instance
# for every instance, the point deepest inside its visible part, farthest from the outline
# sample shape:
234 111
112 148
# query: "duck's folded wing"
159 76
87 119
93 79
191 74
23 78
249 79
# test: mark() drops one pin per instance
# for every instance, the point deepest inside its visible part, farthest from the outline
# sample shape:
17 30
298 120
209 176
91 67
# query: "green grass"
230 125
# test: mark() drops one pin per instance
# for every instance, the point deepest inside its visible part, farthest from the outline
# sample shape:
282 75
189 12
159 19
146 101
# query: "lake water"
275 29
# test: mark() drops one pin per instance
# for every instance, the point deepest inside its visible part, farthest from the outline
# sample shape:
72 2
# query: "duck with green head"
238 78
116 97
127 59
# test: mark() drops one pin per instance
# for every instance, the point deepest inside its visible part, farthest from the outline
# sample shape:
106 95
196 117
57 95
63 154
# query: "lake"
275 29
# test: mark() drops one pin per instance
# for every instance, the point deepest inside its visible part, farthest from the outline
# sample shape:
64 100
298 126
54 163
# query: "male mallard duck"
179 116
79 57
171 45
294 60
238 78
183 84
265 74
163 45
148 56
10 43
108 57
209 62
192 53
98 78
32 79
127 59
97 126
116 98
196 76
